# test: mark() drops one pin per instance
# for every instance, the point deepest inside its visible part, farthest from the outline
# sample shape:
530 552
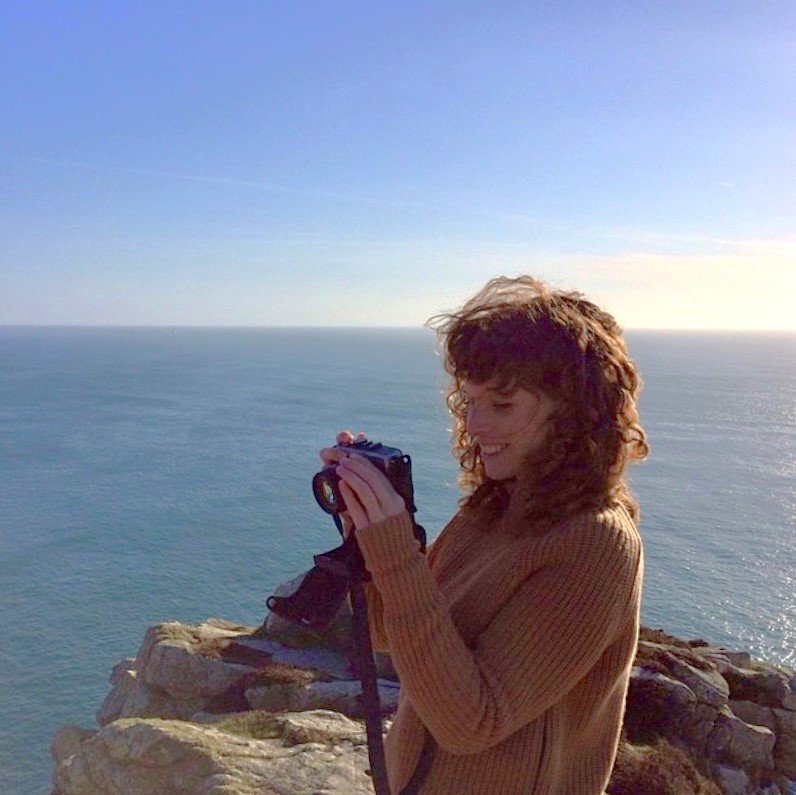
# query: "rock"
132 698
740 659
120 669
301 754
146 701
677 693
343 697
318 726
124 684
692 708
179 669
658 769
785 748
732 780
660 706
764 685
752 713
180 660
67 741
710 687
735 715
322 658
747 746
696 727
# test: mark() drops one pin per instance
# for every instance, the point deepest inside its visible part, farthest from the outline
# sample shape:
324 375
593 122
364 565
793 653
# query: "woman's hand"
332 455
368 494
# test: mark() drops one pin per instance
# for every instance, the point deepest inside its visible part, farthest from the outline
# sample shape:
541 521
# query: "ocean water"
154 474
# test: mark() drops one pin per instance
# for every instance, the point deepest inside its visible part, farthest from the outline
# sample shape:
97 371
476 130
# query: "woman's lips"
492 449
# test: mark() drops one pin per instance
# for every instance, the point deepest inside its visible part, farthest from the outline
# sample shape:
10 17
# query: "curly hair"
520 333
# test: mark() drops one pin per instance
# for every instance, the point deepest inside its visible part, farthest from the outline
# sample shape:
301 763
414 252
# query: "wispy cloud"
518 223
211 180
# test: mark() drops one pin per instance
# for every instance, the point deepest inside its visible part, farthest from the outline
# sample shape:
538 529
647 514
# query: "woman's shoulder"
610 535
610 529
614 517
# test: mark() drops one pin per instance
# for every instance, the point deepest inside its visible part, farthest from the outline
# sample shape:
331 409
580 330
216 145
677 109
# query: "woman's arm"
539 646
378 635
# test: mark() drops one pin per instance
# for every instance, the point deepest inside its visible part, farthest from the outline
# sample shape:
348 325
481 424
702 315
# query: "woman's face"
507 426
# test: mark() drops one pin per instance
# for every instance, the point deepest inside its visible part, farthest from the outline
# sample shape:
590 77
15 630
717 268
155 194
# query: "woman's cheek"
523 425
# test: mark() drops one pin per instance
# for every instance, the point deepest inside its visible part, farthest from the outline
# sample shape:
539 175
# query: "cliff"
223 709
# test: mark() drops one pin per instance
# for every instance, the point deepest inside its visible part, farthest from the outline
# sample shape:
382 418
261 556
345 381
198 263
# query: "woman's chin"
499 474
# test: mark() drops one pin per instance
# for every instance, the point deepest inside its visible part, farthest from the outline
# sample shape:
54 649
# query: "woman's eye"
501 406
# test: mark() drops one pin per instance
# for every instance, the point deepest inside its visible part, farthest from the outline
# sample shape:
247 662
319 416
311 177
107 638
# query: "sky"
371 163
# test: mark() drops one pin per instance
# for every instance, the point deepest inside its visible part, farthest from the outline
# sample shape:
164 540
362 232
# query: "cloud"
751 285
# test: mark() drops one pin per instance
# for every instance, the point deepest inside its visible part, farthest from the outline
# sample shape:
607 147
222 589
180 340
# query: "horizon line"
231 327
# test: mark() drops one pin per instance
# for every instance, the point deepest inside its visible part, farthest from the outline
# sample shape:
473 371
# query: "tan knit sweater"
514 652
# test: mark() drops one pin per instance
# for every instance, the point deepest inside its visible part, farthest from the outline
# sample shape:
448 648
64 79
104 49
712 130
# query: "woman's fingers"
356 512
346 437
372 486
363 490
331 455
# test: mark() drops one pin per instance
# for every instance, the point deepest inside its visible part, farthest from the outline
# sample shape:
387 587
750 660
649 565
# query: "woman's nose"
475 422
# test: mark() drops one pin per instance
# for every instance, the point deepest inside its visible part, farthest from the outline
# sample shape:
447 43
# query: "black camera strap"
366 671
371 704
338 573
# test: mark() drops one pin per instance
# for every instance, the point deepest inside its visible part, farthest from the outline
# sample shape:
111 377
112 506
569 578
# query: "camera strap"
338 573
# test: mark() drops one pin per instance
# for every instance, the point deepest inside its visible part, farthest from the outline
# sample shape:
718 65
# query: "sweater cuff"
399 571
388 545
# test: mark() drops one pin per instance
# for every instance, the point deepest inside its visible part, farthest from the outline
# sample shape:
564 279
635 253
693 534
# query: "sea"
152 474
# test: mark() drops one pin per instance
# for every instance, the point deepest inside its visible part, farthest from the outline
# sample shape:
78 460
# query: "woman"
514 636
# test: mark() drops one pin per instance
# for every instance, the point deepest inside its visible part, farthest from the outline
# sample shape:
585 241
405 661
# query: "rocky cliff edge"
224 709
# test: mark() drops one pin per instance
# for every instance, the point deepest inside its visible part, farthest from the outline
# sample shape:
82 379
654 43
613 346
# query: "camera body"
390 460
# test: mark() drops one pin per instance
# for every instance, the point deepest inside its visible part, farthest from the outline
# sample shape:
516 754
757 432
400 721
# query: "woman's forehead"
472 389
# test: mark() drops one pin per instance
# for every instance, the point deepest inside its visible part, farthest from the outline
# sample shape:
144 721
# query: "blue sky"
346 163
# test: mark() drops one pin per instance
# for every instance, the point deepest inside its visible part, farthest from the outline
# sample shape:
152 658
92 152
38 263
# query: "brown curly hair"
521 333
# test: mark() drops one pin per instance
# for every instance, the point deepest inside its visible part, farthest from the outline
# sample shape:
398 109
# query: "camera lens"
327 493
324 487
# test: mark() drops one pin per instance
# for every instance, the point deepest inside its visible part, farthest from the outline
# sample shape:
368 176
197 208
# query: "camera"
317 600
390 460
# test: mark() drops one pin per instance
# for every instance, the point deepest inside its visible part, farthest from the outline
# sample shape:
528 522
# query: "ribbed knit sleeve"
542 641
378 637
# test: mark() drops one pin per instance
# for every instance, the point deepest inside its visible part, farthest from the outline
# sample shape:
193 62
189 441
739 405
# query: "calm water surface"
152 474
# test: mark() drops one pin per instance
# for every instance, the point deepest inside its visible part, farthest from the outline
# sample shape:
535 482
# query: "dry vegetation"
658 769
